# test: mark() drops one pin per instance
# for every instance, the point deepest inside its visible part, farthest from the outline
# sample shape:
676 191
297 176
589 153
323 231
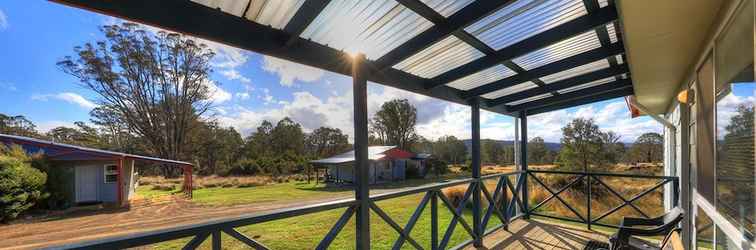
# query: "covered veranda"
511 57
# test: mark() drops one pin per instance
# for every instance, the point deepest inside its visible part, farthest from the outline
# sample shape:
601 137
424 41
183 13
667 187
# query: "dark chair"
630 227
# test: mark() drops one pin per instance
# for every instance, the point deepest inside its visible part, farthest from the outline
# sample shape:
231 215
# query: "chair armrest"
631 221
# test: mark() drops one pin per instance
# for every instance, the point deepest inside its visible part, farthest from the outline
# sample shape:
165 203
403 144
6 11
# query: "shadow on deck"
537 234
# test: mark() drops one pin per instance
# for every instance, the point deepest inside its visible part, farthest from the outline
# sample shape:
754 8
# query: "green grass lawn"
305 232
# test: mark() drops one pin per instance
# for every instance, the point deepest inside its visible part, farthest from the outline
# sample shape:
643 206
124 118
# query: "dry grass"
213 181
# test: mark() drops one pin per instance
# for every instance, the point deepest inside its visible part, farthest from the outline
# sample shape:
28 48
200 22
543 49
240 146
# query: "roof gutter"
634 102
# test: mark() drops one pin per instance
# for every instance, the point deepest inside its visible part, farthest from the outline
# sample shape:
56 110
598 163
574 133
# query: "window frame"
107 172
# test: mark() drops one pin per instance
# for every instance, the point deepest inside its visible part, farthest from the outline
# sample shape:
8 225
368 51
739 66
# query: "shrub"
436 166
21 185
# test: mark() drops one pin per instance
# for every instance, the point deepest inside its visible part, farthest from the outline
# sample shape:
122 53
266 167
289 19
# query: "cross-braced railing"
503 203
590 179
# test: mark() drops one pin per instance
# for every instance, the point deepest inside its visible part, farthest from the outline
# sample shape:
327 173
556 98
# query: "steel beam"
576 95
203 22
541 40
552 68
559 85
442 29
585 100
361 160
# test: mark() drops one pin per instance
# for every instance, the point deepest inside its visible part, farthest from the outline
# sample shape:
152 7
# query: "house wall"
379 171
107 192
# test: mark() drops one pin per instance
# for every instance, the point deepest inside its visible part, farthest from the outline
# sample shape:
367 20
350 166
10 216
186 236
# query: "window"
111 173
734 88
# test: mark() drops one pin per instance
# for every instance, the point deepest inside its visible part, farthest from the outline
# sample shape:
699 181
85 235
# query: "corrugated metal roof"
558 51
523 19
612 32
374 153
68 148
447 7
371 27
586 85
603 3
440 57
276 13
619 59
530 99
576 71
483 77
510 90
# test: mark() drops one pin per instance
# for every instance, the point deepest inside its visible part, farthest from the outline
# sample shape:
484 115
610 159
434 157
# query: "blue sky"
248 87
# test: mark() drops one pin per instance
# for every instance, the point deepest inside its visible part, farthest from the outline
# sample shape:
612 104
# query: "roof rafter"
577 95
305 15
586 100
541 40
562 84
442 29
552 68
200 21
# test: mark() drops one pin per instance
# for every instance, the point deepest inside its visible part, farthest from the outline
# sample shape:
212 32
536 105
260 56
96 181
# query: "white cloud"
232 74
242 95
3 20
217 94
290 72
67 97
8 86
46 126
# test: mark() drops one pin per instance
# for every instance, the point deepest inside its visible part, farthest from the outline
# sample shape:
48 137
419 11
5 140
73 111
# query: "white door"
86 183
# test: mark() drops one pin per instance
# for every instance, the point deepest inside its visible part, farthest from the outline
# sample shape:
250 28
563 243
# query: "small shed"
387 164
94 175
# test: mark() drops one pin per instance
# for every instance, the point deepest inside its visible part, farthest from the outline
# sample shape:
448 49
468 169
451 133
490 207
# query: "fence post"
505 200
361 163
588 201
434 220
475 127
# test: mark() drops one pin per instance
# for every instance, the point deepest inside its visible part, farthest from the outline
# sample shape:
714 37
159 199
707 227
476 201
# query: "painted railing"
504 204
591 178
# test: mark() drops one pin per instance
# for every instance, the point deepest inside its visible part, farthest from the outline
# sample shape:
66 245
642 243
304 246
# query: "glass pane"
735 121
704 231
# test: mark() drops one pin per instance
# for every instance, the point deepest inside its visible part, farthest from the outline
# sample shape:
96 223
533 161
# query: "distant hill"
553 146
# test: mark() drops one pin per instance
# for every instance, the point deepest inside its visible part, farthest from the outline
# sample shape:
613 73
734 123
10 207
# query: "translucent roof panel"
558 51
619 59
510 90
483 77
274 13
603 3
440 57
576 71
530 99
523 19
612 32
447 7
586 85
235 8
370 27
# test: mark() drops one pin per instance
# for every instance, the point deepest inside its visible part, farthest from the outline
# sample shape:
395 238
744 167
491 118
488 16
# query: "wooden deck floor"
536 234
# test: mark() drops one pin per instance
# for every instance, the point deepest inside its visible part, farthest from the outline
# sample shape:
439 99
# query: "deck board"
537 234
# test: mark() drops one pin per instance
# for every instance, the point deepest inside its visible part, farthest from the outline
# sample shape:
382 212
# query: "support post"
684 169
475 127
188 185
524 161
361 162
119 181
434 220
588 201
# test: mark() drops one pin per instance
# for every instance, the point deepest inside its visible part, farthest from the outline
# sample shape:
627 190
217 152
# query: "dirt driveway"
88 225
